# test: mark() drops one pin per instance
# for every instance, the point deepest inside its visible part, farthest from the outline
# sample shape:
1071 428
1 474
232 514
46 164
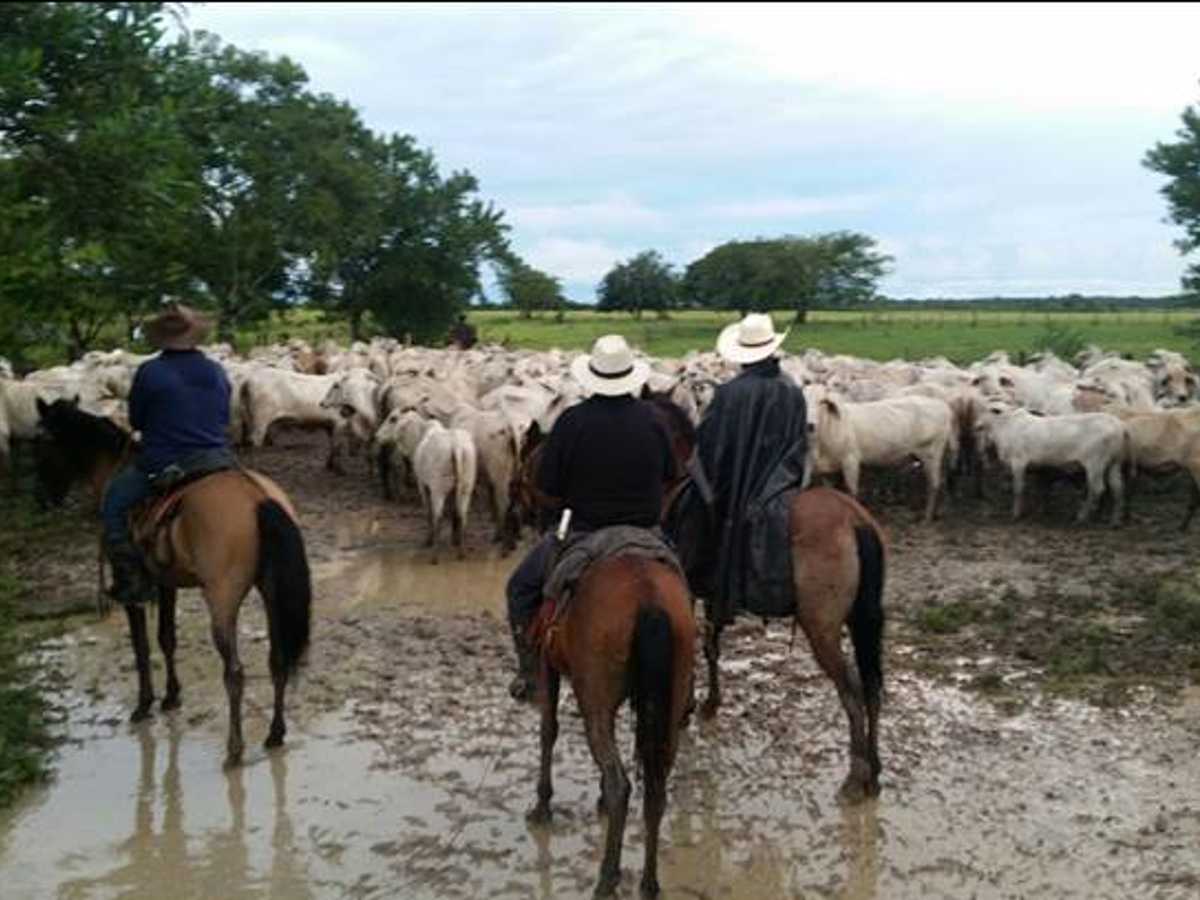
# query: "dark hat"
177 327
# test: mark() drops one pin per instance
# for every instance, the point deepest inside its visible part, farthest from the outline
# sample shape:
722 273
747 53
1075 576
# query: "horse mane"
680 422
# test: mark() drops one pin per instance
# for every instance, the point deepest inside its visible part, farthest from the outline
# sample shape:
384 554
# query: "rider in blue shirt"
179 402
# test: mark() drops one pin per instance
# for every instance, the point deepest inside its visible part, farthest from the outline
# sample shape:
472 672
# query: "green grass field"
962 336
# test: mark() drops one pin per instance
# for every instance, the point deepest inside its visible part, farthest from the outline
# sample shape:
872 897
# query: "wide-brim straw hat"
610 369
177 327
752 339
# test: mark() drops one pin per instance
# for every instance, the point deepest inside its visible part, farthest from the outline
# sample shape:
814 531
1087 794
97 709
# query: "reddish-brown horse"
231 531
628 632
838 564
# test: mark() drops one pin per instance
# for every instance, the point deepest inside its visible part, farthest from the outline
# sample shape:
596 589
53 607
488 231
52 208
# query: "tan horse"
225 533
627 632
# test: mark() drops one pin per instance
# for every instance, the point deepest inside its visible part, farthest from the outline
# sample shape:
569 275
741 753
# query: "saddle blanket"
584 548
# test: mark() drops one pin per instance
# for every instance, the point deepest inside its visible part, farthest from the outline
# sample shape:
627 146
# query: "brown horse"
838 565
229 531
627 631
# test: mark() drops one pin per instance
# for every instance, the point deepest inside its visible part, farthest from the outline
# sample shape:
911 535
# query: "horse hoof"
709 710
650 887
233 760
853 791
170 703
539 815
274 739
141 714
608 885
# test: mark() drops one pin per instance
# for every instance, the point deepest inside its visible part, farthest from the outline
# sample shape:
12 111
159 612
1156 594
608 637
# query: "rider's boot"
524 683
131 582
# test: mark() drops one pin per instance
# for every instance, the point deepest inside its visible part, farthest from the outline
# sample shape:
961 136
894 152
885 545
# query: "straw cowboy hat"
177 327
610 368
750 340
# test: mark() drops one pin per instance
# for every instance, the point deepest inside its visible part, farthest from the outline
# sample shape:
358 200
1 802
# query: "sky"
991 149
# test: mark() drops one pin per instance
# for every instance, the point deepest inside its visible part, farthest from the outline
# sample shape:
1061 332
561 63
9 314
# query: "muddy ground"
1041 730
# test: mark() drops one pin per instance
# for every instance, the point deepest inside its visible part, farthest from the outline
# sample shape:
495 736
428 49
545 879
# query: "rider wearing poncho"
751 445
606 460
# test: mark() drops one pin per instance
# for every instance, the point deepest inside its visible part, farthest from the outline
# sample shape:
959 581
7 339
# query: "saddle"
150 519
577 553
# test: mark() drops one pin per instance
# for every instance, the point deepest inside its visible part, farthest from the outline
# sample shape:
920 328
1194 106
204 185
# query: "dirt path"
1030 748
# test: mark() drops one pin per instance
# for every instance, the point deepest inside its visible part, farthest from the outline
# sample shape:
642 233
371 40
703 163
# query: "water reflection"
199 841
860 833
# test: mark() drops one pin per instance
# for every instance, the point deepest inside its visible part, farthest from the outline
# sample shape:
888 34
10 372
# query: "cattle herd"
450 421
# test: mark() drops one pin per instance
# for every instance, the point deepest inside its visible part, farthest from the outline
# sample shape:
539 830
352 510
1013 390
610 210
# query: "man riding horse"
605 460
179 402
751 446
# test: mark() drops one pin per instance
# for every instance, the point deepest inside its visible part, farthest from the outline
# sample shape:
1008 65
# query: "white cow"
443 463
843 437
497 439
1094 441
1174 382
270 396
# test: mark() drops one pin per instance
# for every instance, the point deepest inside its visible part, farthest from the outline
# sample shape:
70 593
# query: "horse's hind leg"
141 654
827 648
712 654
224 634
615 790
540 814
166 643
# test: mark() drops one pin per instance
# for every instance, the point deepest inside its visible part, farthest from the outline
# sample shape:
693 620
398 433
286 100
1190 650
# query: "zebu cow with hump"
1095 442
443 464
843 437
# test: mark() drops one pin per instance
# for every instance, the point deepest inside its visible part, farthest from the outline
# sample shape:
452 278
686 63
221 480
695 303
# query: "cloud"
576 260
622 212
793 207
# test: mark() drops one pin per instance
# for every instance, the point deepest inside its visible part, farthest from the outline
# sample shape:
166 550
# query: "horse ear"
831 406
646 392
75 400
42 407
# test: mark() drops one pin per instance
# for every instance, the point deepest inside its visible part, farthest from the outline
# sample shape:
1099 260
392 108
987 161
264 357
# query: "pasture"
1038 682
960 335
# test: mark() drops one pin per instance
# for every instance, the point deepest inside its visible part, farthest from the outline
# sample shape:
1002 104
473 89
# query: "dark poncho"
751 444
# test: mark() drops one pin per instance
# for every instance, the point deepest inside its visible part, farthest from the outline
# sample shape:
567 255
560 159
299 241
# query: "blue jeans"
128 488
524 589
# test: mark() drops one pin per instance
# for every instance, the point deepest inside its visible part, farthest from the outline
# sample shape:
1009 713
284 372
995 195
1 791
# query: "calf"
1094 441
843 437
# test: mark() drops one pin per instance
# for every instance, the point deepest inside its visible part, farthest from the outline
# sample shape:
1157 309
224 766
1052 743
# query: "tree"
412 254
93 170
1180 161
836 269
529 289
645 282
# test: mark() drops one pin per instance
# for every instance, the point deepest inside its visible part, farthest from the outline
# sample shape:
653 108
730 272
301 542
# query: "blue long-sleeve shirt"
179 401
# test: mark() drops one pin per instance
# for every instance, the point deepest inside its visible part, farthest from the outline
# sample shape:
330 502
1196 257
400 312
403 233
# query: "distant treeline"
1068 303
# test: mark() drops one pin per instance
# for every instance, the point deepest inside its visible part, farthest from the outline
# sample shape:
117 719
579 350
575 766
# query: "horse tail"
283 572
866 615
653 670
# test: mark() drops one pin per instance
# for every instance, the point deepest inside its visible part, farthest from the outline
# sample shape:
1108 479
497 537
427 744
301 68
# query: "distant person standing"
462 334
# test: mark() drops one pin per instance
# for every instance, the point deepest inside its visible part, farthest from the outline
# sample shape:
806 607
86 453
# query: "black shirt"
606 459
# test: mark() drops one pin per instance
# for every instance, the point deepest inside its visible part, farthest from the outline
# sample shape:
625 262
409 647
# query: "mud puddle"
408 770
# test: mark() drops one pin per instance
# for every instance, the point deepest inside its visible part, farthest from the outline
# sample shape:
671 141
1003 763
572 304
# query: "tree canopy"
133 168
836 269
1180 161
645 282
